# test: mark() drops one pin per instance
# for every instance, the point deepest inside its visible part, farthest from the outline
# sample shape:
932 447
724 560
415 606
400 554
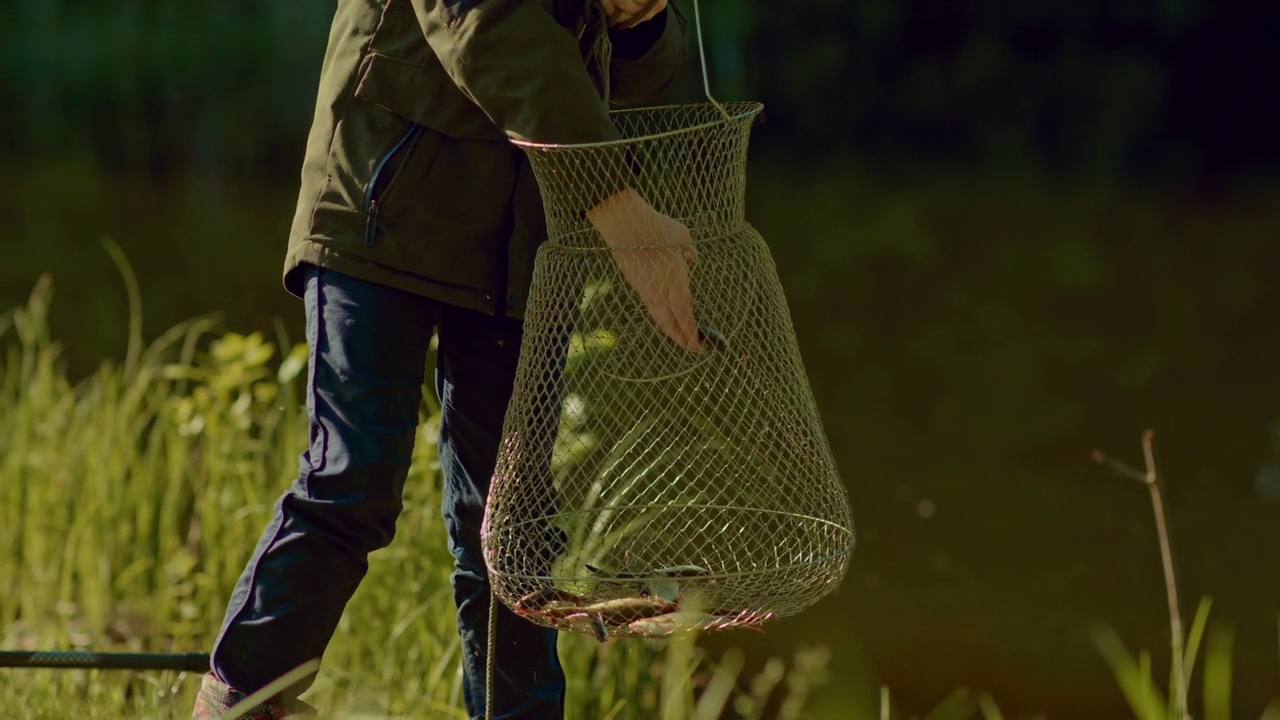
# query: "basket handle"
702 57
603 54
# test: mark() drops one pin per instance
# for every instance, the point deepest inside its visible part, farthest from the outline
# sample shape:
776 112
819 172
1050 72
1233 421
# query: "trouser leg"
368 351
476 366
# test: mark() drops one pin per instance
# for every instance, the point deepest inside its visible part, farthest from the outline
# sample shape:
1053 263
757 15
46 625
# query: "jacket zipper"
372 194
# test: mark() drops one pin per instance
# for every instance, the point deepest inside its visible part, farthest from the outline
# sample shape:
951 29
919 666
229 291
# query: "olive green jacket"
409 177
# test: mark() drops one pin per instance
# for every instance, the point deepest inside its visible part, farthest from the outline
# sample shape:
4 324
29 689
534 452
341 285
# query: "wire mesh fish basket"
644 487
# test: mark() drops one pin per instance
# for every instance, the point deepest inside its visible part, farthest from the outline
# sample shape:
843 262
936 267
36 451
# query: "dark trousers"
368 351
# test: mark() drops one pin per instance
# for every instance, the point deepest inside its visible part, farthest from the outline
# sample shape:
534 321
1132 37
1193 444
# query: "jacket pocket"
424 94
385 172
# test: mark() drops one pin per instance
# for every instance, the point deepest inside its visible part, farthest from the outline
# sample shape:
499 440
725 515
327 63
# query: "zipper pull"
371 224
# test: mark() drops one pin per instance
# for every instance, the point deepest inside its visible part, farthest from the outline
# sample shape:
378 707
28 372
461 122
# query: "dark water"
969 346
969 341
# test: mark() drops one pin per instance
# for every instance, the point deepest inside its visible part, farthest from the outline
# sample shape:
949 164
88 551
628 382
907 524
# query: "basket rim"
738 110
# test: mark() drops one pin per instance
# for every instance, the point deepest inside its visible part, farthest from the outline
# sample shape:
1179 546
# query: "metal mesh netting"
642 486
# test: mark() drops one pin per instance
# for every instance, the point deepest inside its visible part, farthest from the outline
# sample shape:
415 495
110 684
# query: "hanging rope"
702 57
489 663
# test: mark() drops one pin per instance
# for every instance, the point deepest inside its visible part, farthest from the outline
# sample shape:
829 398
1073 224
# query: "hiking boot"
216 698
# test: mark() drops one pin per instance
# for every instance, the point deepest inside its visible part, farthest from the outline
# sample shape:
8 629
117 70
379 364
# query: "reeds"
131 499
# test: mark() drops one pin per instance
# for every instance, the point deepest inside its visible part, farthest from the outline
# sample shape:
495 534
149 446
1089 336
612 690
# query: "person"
417 216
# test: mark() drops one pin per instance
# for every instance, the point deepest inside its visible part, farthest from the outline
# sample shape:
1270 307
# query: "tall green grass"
1146 698
130 500
1134 673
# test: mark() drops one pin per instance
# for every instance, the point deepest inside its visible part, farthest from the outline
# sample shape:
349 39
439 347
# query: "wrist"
625 219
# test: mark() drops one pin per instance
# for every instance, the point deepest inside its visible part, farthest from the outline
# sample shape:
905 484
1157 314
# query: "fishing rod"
194 662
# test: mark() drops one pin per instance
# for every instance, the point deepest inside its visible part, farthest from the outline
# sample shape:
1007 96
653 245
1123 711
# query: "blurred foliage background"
1009 232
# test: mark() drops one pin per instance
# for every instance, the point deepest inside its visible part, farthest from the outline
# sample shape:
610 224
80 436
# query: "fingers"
661 279
684 328
654 253
680 324
674 317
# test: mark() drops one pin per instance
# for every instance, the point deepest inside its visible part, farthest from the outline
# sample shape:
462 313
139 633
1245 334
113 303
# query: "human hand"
654 253
629 13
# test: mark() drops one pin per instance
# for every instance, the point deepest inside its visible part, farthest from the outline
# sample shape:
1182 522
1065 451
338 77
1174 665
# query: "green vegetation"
1007 232
1145 697
1134 675
132 498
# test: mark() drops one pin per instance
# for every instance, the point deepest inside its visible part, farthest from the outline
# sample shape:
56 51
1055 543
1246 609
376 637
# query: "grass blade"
715 698
959 705
679 665
134 352
987 704
272 688
1217 676
1138 689
1195 635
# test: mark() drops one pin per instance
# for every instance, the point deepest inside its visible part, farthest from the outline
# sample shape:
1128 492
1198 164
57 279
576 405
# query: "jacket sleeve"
514 60
646 57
